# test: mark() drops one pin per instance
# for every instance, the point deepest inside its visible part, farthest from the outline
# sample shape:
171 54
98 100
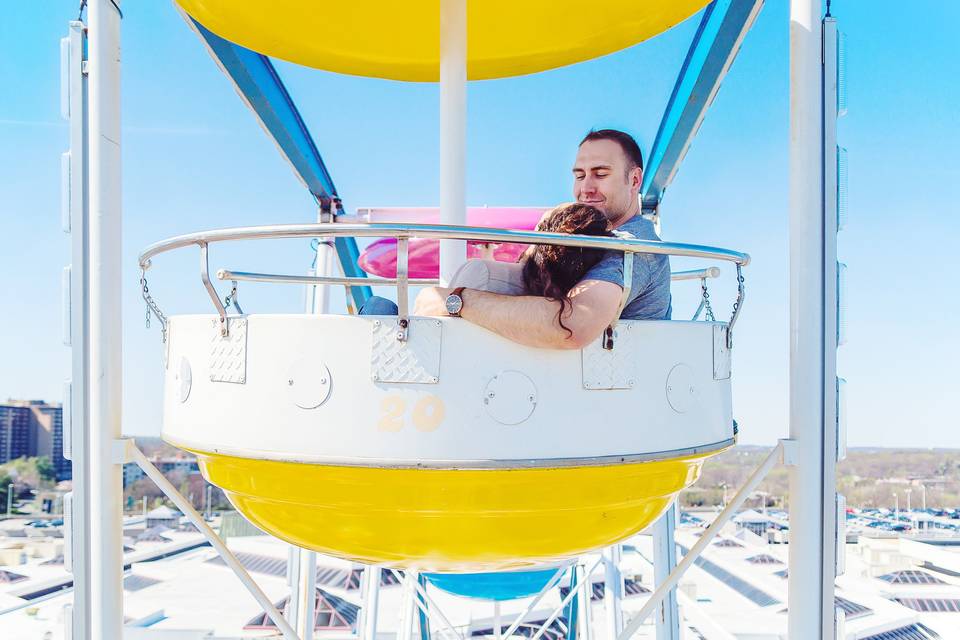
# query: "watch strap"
459 293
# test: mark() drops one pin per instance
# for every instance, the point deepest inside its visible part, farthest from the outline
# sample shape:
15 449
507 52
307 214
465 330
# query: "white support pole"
303 583
371 603
533 603
106 365
423 613
613 591
812 493
780 452
664 562
425 603
76 427
318 301
453 131
307 591
126 449
586 598
318 296
408 606
292 612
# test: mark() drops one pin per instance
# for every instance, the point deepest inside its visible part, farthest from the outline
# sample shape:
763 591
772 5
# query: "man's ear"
636 177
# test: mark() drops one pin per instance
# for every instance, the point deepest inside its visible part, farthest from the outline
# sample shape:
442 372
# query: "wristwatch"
454 302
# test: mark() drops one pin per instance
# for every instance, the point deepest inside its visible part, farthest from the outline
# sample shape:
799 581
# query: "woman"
549 271
552 271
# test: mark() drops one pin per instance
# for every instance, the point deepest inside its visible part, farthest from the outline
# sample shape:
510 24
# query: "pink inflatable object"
380 258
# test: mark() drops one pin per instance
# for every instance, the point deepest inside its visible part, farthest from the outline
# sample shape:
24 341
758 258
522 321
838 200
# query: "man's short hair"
630 147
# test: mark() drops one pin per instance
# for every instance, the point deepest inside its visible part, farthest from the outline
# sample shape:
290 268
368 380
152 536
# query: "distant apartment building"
33 428
15 422
184 467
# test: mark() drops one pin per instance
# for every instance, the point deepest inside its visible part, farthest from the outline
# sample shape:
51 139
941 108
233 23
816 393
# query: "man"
607 175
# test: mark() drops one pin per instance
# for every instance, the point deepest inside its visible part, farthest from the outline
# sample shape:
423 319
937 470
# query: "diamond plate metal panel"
415 361
721 354
228 354
614 368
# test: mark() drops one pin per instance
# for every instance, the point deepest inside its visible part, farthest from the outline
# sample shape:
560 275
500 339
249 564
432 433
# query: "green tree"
6 485
45 469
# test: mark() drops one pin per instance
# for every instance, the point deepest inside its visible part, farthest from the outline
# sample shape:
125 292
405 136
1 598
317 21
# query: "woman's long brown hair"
552 271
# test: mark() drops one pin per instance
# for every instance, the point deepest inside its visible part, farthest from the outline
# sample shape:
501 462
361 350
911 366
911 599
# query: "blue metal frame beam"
715 45
257 82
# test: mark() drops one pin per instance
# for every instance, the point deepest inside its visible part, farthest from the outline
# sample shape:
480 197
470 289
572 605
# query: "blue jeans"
377 306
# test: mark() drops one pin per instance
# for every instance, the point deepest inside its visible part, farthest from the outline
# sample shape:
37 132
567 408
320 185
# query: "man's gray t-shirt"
649 297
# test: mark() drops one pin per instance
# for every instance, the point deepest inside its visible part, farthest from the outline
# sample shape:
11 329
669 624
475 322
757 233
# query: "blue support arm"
257 82
715 45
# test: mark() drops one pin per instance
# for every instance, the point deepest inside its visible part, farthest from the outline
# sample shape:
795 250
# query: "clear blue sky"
194 158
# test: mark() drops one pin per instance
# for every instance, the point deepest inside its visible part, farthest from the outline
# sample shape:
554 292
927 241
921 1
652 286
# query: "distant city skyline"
32 428
194 158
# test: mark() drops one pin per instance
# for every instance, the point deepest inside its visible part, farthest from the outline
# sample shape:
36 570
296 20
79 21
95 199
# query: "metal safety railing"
403 233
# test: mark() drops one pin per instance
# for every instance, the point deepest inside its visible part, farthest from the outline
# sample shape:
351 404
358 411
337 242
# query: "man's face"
601 179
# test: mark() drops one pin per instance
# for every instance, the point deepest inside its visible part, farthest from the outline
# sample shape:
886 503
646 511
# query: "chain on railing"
704 303
737 305
231 299
152 306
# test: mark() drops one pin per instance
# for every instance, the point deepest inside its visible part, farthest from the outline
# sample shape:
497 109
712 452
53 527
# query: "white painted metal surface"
127 451
365 421
453 131
614 368
415 360
106 327
76 414
834 539
371 603
228 353
664 562
307 589
810 590
782 453
613 591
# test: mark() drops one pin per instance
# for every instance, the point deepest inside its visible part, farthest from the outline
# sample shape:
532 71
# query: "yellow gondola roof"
400 40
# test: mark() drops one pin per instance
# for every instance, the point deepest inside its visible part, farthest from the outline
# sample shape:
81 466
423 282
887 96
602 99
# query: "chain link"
231 298
706 300
738 303
152 306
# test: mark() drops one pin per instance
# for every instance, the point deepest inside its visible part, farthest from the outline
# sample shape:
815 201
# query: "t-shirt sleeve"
610 269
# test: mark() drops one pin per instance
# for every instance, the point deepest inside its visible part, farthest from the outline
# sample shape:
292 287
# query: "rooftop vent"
911 576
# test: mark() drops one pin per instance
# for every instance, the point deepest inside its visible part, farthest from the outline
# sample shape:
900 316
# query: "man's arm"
532 320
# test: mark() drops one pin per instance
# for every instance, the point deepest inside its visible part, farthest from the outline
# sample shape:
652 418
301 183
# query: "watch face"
454 304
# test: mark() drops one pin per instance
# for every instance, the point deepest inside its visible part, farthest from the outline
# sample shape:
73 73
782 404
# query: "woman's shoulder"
490 275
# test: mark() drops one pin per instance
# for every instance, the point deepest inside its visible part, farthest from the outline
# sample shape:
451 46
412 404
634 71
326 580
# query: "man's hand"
432 301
